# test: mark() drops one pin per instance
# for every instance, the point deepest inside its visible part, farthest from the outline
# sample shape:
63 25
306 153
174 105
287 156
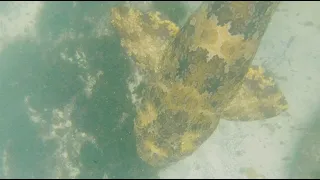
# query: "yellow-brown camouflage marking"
258 98
144 36
228 55
189 80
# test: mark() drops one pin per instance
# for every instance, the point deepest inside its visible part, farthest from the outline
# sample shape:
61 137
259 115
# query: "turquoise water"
33 68
36 73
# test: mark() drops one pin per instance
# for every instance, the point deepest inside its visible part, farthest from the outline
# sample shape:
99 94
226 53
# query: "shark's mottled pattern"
196 75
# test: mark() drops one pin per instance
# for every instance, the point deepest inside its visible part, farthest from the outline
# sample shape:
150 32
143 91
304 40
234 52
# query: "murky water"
66 109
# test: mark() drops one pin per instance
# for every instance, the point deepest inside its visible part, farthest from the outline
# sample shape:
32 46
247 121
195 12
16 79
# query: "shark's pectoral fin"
259 98
144 36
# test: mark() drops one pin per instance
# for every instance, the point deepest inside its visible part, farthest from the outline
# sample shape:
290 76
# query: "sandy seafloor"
259 149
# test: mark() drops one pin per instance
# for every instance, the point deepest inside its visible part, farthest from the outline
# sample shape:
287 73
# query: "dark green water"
33 67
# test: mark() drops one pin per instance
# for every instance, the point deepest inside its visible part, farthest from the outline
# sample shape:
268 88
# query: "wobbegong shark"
196 74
